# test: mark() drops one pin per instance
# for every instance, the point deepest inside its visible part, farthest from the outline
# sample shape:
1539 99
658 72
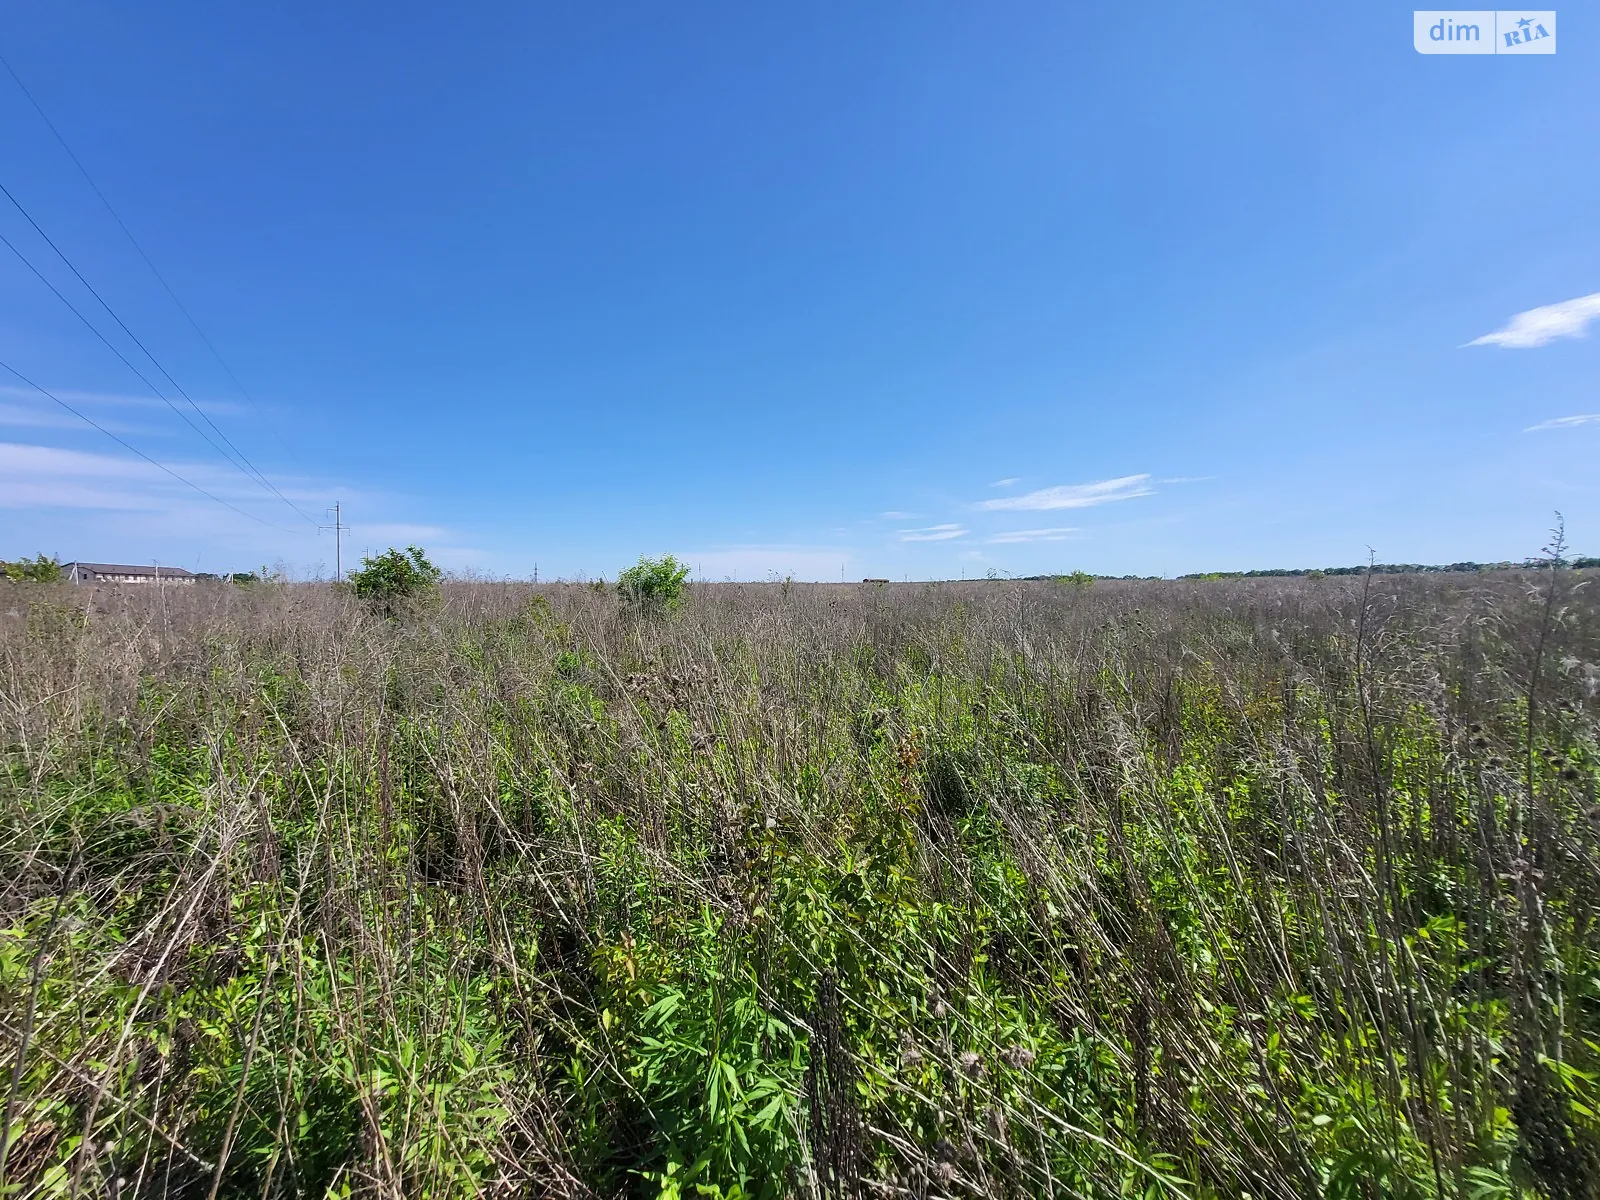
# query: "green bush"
654 585
38 569
395 578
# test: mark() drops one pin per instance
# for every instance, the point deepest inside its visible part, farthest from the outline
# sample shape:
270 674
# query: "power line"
90 325
238 457
92 328
134 242
129 446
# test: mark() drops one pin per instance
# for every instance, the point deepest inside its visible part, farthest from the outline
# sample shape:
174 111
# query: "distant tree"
395 579
38 569
653 585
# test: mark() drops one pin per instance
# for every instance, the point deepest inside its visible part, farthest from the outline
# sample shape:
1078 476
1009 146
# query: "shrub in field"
395 578
39 569
1077 579
654 585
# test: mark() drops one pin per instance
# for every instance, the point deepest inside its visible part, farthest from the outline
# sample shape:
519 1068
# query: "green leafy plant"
395 579
654 585
38 569
724 1075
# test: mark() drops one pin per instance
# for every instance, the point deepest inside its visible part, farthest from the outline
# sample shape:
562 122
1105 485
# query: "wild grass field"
1269 888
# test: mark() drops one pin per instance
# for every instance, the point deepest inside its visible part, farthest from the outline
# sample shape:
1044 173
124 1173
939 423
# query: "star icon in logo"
1525 22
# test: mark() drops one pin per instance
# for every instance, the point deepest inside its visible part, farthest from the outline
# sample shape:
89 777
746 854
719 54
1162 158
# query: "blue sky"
894 289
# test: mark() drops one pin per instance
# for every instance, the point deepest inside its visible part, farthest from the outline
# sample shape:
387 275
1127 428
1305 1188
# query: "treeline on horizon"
1529 564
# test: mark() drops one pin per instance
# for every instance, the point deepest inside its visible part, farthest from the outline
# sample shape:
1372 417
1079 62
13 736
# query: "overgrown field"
1214 889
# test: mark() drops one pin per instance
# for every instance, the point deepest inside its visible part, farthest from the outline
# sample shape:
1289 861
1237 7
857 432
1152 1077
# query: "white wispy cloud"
111 506
458 558
1564 422
26 416
895 514
1006 482
934 533
1076 495
48 475
1569 319
82 399
761 561
56 477
398 534
1032 535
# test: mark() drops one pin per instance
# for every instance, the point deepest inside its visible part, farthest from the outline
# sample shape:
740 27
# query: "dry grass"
1281 888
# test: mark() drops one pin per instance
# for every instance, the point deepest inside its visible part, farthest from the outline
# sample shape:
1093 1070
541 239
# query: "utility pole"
338 542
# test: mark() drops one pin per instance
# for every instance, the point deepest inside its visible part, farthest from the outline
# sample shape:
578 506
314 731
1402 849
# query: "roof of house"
122 569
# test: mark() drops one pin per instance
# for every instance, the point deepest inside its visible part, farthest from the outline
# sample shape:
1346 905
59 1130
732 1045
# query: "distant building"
82 572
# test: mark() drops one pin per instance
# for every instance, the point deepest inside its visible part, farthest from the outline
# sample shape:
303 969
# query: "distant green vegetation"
38 569
654 585
394 579
1275 890
1532 564
1081 579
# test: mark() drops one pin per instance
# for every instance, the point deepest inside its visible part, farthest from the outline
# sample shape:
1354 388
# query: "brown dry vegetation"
1278 888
